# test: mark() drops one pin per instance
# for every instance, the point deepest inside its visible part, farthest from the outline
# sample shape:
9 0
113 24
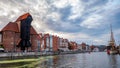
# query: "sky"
76 20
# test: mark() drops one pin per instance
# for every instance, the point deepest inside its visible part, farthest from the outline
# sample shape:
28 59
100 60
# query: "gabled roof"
11 27
14 27
24 16
33 31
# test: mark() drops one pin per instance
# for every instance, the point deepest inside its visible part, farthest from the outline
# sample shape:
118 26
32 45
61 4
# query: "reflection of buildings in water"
50 63
58 61
84 61
65 61
113 61
55 61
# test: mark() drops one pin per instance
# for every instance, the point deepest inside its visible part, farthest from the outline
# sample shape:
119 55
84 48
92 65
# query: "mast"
112 36
112 40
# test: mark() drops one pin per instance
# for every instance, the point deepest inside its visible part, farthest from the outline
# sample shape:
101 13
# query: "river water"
83 60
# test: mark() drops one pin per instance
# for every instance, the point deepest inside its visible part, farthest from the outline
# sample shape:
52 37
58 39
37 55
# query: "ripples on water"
83 60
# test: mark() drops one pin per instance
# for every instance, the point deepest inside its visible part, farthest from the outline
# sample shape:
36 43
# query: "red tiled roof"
24 16
40 36
32 30
14 26
11 27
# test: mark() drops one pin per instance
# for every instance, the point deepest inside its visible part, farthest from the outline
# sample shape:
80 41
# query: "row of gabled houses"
10 38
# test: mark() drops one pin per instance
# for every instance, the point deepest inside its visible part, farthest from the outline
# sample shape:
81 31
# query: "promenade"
13 55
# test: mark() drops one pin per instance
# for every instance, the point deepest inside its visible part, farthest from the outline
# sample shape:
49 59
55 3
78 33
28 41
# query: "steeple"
112 41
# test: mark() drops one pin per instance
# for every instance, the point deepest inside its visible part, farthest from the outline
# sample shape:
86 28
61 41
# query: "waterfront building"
79 47
96 49
83 46
63 44
73 46
11 35
92 47
46 42
55 43
51 43
87 48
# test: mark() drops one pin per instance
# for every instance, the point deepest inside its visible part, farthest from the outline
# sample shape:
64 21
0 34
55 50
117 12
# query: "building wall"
34 42
41 41
17 40
11 39
63 44
73 46
8 40
55 43
46 42
51 43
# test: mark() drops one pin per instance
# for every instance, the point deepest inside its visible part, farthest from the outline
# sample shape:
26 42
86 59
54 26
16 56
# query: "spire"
112 41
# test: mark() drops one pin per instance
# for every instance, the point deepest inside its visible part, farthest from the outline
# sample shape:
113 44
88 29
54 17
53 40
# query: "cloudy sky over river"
77 20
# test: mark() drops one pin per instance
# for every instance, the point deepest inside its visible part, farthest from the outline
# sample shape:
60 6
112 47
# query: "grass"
19 60
26 63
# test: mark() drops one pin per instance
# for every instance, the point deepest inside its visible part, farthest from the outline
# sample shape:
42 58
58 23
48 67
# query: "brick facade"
11 36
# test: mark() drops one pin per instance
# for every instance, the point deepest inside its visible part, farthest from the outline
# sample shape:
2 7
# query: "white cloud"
41 10
92 21
70 36
77 9
61 3
83 37
54 16
100 15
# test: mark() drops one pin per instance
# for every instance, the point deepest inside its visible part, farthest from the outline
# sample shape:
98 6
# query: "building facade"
10 36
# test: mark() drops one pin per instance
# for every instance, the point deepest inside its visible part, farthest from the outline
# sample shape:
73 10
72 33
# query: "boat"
111 48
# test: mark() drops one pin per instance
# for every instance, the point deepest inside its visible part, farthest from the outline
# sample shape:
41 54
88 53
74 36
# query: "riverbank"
23 63
17 55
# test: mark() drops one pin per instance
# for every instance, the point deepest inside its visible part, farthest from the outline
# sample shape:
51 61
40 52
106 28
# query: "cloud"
77 9
79 20
92 21
54 16
60 3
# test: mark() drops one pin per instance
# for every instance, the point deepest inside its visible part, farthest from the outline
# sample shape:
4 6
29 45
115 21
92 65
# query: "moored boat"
111 48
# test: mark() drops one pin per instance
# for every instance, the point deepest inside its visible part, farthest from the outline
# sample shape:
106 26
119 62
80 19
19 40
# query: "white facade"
51 43
96 49
79 47
63 44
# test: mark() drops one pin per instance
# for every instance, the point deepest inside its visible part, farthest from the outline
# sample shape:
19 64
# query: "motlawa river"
81 60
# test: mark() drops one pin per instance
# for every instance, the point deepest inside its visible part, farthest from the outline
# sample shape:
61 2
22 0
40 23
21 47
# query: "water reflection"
113 61
85 60
82 60
55 61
